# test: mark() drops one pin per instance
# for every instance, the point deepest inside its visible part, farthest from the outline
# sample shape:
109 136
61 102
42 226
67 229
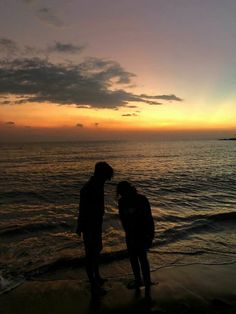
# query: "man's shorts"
92 241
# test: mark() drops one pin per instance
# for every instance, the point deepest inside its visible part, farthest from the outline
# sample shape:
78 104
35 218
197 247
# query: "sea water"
191 186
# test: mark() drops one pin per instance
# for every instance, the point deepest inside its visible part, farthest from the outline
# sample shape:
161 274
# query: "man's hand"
149 242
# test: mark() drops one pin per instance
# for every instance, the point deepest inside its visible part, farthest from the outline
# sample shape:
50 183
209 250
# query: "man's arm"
81 214
79 225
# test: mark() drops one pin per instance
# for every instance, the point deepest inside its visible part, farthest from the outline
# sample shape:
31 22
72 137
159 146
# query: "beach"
177 289
191 189
117 142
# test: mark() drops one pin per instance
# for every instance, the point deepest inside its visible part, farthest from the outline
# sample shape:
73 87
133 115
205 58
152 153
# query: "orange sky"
186 51
170 116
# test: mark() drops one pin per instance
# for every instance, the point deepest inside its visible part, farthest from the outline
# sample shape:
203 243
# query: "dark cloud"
38 80
8 46
106 70
162 97
6 102
10 123
28 1
48 16
31 51
88 84
83 106
65 48
79 125
129 115
96 124
10 49
151 102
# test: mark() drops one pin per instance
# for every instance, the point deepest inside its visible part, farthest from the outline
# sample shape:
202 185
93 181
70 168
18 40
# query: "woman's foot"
100 281
97 290
134 284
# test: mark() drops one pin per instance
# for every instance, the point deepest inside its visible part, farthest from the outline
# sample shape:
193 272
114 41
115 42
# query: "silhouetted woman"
136 217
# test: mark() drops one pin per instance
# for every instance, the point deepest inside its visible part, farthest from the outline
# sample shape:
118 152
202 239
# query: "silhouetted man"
90 218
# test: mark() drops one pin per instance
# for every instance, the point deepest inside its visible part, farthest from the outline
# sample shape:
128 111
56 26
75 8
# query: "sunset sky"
104 69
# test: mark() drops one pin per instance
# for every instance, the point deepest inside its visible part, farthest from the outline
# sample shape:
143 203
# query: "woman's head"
125 189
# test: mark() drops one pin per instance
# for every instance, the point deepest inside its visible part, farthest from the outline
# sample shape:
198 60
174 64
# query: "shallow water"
191 187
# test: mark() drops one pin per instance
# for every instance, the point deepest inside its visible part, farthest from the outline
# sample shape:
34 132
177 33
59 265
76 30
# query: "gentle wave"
191 187
11 281
33 227
227 216
194 225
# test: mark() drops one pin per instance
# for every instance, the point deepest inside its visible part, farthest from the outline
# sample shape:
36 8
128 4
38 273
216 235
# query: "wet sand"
180 289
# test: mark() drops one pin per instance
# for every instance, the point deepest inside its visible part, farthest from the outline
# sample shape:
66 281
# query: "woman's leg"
146 273
135 266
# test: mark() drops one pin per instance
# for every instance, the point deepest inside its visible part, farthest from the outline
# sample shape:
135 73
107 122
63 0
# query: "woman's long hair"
125 189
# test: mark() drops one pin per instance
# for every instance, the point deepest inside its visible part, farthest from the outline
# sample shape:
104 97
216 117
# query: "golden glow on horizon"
169 116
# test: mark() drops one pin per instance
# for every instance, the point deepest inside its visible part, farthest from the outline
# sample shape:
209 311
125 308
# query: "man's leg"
97 275
96 258
93 246
135 267
89 264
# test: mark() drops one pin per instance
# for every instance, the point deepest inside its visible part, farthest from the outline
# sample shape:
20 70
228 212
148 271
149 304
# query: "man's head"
103 171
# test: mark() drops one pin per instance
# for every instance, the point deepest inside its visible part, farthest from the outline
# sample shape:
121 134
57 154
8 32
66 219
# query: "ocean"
191 186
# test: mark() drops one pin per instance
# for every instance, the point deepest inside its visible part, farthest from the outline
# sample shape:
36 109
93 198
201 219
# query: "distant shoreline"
227 139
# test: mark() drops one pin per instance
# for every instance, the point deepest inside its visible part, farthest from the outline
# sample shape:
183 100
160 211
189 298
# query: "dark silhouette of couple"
136 218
